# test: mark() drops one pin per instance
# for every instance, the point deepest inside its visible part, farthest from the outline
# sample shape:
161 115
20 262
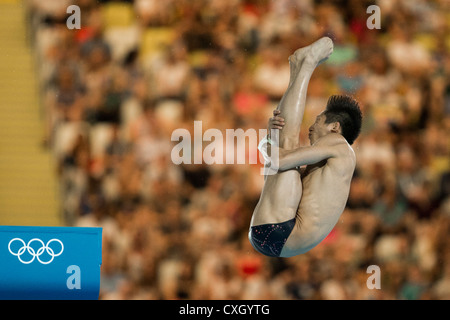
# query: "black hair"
345 110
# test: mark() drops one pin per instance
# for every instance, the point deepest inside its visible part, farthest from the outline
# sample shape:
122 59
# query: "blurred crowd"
113 91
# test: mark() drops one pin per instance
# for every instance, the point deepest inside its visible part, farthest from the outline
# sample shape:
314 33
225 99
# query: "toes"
327 42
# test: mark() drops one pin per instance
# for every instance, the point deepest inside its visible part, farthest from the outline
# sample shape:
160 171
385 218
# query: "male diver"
299 205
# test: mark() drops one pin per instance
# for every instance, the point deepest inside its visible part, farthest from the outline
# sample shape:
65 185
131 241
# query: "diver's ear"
335 127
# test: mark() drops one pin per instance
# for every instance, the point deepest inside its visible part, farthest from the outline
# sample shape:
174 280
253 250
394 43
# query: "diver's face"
319 128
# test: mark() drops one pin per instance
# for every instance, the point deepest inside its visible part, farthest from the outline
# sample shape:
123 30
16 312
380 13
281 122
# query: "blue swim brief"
270 238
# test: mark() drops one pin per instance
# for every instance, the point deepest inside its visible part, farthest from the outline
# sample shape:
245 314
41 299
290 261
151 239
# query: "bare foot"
319 51
315 54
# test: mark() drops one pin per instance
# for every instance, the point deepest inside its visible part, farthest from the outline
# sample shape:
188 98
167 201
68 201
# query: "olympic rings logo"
35 254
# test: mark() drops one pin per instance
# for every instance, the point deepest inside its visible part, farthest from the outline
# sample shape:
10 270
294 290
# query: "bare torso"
326 187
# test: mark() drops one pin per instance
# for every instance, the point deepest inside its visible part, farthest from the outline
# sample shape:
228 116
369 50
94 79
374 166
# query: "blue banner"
50 262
